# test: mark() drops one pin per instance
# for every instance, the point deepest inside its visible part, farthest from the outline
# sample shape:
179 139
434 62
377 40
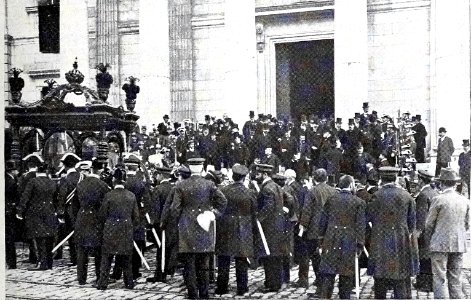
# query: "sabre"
264 240
141 256
62 243
153 231
162 262
357 277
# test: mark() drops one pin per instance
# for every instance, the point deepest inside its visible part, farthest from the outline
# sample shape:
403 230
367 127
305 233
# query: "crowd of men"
273 193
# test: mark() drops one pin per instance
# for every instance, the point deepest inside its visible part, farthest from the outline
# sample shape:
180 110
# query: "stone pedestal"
351 57
154 99
74 38
241 64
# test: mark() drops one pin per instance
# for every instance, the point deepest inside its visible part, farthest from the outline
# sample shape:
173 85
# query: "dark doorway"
305 79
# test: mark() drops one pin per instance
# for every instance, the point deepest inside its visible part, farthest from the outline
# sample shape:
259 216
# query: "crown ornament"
74 76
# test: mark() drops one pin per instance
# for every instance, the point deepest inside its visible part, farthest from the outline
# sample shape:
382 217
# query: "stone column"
108 44
450 70
74 38
154 99
351 57
241 63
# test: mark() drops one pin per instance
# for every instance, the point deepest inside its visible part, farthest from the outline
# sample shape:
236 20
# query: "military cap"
195 161
388 170
11 165
365 105
163 170
33 158
425 173
240 170
70 159
448 174
132 159
278 177
83 165
264 168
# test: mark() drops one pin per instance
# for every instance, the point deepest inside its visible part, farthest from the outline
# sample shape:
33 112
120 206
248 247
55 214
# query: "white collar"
266 180
93 175
290 181
423 188
32 170
165 180
41 175
72 170
131 173
449 190
119 186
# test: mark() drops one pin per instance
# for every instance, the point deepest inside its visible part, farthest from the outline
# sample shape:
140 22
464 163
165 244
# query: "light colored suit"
447 223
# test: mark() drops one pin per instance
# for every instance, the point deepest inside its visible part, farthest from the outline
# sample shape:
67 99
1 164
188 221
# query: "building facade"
283 57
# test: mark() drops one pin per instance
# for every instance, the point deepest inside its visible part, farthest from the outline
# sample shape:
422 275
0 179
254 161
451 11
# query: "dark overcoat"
169 223
37 206
392 215
11 198
67 186
234 229
88 229
312 208
423 203
136 185
192 197
272 218
119 214
342 226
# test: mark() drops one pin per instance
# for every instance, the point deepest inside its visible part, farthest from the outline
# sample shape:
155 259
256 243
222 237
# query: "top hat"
351 122
441 129
207 118
414 118
70 159
11 165
418 117
465 143
365 105
357 115
195 161
264 168
251 113
338 121
448 174
240 170
166 117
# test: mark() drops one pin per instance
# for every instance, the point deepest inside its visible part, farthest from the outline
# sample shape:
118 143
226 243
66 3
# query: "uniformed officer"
67 201
88 228
120 215
158 198
37 207
392 216
11 198
234 235
272 221
195 202
341 234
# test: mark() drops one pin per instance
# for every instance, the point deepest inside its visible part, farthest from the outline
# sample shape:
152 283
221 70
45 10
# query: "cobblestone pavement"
61 283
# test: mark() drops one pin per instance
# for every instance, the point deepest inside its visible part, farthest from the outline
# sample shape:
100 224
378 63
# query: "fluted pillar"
108 44
241 61
351 56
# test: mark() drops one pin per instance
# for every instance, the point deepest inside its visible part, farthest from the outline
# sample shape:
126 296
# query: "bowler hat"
240 170
441 129
448 174
465 143
264 168
11 165
166 117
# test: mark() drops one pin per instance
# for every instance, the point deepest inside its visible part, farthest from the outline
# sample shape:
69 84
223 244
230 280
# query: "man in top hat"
424 280
158 198
32 161
464 162
67 201
419 138
195 225
270 215
88 228
445 150
11 198
365 116
309 221
392 214
165 127
235 232
353 137
339 131
447 223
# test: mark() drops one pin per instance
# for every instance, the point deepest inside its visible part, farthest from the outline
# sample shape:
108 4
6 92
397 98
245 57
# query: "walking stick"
141 256
62 242
163 252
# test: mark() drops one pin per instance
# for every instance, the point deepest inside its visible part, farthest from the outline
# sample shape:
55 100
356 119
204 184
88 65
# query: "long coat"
312 208
342 226
423 203
67 186
137 186
272 218
392 216
38 208
11 197
234 229
119 214
192 197
169 223
445 150
447 222
88 229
